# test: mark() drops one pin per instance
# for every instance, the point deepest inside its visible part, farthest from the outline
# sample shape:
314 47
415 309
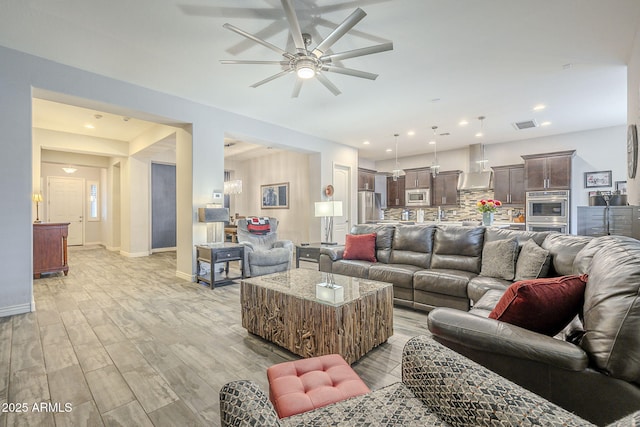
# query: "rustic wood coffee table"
292 311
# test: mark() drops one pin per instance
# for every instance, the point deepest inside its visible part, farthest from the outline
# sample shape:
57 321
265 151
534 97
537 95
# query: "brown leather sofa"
439 266
593 367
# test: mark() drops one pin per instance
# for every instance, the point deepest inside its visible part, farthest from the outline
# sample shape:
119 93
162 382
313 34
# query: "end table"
219 253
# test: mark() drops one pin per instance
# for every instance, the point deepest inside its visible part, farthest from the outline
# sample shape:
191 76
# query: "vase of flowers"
488 208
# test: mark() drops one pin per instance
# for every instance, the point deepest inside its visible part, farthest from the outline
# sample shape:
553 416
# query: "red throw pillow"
360 246
542 305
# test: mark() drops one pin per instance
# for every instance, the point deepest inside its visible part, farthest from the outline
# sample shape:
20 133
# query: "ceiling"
452 60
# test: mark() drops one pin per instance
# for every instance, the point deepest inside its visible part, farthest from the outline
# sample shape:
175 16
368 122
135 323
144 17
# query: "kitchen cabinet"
366 180
508 184
445 188
395 192
417 178
548 171
602 221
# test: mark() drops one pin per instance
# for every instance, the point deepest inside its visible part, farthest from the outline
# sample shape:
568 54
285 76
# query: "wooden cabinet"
366 180
548 171
50 248
508 184
395 192
603 221
417 178
445 188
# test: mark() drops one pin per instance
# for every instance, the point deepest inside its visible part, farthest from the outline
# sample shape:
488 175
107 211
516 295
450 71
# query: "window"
93 201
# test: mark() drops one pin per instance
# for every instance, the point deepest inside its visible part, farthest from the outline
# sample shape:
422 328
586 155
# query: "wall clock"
632 151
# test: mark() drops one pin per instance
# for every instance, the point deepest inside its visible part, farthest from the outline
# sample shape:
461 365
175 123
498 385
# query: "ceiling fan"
308 63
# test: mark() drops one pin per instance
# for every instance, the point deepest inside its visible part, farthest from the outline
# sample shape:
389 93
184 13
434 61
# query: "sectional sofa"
460 275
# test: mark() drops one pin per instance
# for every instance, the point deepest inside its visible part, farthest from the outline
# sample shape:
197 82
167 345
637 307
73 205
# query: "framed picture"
275 196
621 186
597 179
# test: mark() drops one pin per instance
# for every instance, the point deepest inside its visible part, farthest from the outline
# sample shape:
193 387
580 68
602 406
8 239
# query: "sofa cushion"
361 247
542 305
612 308
533 262
441 281
491 234
412 245
479 285
563 249
458 248
582 261
353 268
384 237
399 274
499 259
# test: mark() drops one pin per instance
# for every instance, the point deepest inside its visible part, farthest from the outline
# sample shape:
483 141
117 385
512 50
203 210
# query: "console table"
219 253
50 248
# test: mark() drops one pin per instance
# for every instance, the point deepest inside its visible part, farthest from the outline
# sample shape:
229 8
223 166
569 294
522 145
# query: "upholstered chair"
264 254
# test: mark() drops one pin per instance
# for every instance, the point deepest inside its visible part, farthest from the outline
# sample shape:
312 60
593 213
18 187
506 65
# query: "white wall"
199 153
633 110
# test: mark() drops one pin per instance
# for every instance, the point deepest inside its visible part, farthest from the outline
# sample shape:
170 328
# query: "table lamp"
328 210
213 216
37 197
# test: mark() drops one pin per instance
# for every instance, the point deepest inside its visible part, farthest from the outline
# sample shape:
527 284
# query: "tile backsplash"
466 211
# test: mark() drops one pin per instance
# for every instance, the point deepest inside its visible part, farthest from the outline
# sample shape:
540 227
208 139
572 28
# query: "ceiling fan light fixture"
305 68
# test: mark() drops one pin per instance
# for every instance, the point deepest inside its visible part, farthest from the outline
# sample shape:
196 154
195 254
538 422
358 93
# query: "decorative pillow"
499 259
360 246
542 305
533 262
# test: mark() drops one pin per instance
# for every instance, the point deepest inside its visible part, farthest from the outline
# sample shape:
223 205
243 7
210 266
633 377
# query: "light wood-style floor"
122 341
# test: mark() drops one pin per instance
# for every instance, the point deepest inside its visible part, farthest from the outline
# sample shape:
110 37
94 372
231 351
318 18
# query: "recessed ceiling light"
89 126
432 143
463 123
479 135
411 133
366 143
545 123
539 107
389 150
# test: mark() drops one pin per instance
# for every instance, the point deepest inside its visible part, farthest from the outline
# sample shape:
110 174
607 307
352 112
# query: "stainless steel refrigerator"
369 206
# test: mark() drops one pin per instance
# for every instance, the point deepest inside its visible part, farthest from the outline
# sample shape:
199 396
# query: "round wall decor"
328 190
632 151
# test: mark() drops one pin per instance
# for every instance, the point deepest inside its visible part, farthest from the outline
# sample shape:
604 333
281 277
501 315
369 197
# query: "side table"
310 252
217 253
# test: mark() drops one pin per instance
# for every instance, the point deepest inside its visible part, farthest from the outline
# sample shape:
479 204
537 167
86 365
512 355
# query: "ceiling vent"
525 125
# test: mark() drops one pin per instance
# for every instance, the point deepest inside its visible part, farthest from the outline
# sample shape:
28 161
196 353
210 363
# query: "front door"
342 192
66 205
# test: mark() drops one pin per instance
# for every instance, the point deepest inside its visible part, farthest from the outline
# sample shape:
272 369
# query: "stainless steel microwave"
417 197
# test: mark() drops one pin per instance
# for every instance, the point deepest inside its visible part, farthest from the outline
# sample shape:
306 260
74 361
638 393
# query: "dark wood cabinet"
395 192
50 248
445 188
366 180
417 178
508 184
548 171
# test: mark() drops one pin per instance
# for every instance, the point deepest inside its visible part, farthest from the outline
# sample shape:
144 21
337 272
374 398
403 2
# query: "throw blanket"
256 225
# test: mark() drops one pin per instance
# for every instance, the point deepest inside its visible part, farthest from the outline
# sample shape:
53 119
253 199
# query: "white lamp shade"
330 208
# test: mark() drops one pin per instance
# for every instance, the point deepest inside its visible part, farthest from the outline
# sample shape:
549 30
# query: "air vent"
525 125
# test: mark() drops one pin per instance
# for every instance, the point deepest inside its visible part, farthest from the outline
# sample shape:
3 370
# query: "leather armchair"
264 254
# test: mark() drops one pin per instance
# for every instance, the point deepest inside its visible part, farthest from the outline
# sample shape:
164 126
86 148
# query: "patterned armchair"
264 253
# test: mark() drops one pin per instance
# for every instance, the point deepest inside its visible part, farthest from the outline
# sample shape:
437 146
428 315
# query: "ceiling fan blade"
268 79
296 88
340 31
296 32
258 40
237 61
349 72
358 52
327 83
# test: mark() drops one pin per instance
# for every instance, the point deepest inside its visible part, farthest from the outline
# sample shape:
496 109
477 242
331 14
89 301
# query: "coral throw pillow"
542 305
361 247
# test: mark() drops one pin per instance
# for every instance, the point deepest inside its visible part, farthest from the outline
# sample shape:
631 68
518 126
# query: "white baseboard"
185 276
112 248
134 254
93 243
156 250
16 309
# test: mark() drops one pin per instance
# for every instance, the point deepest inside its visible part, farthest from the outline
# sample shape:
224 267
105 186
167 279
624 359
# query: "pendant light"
397 172
435 167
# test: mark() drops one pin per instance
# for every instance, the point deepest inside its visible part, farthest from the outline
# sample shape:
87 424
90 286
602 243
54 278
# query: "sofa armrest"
333 252
494 336
462 392
244 404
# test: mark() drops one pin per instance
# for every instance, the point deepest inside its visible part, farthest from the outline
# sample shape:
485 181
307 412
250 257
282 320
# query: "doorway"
163 206
342 192
66 196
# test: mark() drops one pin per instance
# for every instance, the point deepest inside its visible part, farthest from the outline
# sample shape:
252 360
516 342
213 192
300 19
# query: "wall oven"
548 211
417 197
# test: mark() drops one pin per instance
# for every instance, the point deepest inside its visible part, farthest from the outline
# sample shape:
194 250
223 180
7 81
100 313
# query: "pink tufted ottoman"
306 384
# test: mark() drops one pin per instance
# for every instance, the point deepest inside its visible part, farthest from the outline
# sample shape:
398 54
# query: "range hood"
477 178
